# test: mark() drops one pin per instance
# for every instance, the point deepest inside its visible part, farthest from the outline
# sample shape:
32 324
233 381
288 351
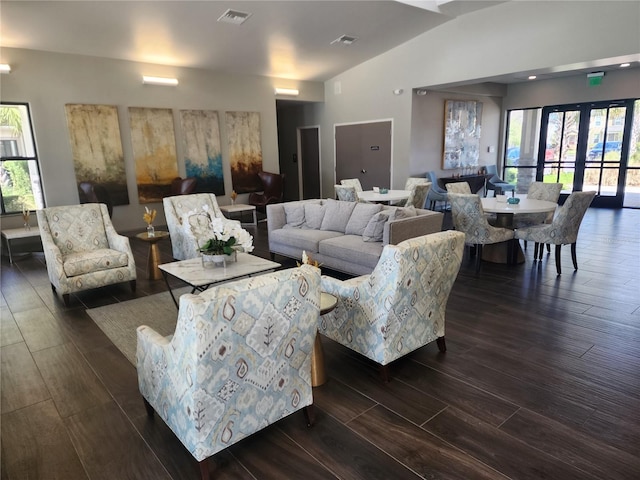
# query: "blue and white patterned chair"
345 194
352 182
418 195
240 360
458 187
83 250
549 192
401 305
187 216
469 217
564 228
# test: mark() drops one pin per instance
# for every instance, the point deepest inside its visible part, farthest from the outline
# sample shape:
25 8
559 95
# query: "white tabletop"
526 205
15 233
391 196
237 207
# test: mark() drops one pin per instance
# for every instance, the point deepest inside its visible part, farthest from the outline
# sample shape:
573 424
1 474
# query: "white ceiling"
286 39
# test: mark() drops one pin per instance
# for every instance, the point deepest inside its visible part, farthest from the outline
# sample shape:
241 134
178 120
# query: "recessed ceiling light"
345 40
164 81
5 68
532 77
235 17
623 65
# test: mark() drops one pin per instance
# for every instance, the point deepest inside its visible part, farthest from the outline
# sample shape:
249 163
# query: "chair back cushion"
352 182
418 194
468 217
77 228
458 187
345 193
545 191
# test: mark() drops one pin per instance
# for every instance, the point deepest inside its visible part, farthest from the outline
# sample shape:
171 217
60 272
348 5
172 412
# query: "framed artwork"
154 152
96 146
245 150
462 122
203 156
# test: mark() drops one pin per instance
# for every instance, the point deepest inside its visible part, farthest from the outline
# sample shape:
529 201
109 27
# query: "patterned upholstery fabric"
539 191
82 249
418 195
346 194
352 182
458 187
186 216
401 305
564 228
240 359
468 217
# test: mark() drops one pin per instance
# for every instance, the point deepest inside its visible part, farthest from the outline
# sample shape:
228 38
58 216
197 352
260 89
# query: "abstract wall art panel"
462 121
203 156
96 147
154 151
245 150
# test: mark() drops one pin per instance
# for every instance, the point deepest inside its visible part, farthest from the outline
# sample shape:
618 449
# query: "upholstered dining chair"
345 193
458 187
563 230
409 185
495 183
469 218
239 360
82 249
436 193
273 191
352 182
401 305
539 191
418 195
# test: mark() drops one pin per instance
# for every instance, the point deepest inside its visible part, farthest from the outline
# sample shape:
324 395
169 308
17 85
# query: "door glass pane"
560 148
521 149
632 188
604 141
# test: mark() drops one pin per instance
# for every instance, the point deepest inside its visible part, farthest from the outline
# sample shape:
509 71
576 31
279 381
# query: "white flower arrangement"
226 237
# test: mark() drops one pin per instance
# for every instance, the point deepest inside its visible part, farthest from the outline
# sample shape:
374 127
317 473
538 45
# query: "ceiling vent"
344 40
234 17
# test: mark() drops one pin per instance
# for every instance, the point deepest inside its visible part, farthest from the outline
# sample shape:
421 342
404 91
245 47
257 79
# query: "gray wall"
48 81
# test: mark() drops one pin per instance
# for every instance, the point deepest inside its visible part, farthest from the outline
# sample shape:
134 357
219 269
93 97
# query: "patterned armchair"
401 305
458 187
187 216
352 182
240 360
564 228
346 194
82 249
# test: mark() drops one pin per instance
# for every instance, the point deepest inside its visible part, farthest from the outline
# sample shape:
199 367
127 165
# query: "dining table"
378 197
505 213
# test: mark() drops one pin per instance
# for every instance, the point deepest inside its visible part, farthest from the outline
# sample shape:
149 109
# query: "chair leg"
132 284
535 251
148 408
558 259
540 251
53 288
310 415
525 245
204 469
384 373
478 258
573 256
442 346
548 248
65 299
273 256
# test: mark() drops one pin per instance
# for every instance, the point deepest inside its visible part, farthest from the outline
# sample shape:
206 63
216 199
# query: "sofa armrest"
276 217
405 228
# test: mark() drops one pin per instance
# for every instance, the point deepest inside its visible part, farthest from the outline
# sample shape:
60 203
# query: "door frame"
391 147
301 160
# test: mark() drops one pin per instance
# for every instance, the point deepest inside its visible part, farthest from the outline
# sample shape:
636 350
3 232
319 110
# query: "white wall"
510 37
48 81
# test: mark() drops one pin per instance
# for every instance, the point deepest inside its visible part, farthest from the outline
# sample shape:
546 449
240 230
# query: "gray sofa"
344 236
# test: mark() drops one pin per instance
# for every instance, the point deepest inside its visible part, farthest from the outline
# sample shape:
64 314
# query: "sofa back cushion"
360 217
294 213
313 215
337 215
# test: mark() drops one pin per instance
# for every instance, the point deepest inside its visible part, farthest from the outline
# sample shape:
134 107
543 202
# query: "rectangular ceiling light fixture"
345 40
170 82
294 92
5 68
235 17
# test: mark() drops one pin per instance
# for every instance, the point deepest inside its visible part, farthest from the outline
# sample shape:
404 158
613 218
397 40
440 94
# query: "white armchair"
401 305
82 249
187 216
240 360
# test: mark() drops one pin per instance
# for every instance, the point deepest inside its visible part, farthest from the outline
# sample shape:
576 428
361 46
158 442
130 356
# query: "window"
20 186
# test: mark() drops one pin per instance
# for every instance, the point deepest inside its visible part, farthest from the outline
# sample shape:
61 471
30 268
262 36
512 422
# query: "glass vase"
151 232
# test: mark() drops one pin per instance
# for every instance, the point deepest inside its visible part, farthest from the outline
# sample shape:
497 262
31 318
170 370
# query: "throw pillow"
360 217
375 228
337 215
294 214
313 216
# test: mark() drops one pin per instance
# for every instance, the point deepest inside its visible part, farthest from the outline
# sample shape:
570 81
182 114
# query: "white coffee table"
240 208
17 234
199 278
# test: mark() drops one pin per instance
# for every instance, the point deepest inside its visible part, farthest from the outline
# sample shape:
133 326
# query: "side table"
240 208
10 234
328 303
153 272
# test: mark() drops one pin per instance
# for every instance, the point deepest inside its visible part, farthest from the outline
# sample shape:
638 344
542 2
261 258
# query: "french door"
585 147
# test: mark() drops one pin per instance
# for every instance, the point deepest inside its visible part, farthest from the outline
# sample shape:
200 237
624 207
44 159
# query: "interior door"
309 148
363 151
584 147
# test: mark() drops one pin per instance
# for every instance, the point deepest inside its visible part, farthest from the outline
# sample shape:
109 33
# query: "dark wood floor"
541 380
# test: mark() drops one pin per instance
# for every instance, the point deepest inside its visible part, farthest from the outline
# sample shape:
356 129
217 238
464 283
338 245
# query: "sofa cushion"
351 248
302 238
337 215
294 213
313 215
360 217
375 228
93 261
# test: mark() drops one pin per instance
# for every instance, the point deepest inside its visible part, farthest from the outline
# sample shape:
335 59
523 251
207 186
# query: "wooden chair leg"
478 258
548 248
558 259
310 415
53 288
573 256
204 469
148 408
540 250
535 251
442 346
65 299
273 256
132 284
384 373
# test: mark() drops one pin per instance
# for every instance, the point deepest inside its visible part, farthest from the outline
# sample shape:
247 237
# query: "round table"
318 375
153 272
390 196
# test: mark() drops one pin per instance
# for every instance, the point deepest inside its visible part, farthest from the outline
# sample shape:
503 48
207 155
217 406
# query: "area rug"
119 321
